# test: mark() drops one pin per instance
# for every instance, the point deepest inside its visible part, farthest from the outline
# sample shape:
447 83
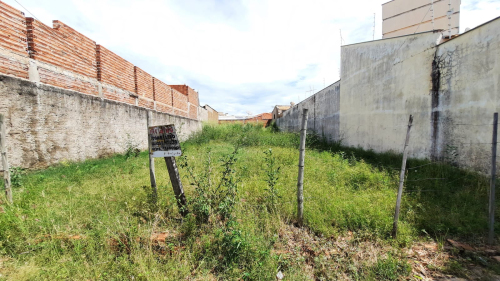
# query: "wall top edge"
471 30
382 39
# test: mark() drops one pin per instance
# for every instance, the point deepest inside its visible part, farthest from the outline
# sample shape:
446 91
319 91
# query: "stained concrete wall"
451 88
467 78
323 116
383 82
46 124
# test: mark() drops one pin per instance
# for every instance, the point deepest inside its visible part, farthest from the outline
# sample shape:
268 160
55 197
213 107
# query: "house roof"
283 107
206 105
235 117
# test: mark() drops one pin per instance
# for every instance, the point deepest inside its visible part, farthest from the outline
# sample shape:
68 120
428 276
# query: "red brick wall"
114 70
143 83
193 111
13 67
62 46
144 102
164 108
163 93
193 97
78 50
13 38
13 29
180 88
179 100
117 95
180 112
264 119
67 82
192 94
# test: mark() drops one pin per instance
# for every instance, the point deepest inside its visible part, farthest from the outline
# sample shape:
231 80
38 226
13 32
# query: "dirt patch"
350 256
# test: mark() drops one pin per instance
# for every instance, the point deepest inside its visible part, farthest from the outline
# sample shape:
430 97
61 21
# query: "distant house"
212 114
263 118
279 109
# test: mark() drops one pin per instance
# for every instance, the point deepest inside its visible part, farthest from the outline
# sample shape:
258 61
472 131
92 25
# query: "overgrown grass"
93 220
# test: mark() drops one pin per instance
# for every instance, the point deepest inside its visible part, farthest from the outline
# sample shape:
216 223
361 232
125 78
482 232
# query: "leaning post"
175 179
152 176
401 179
491 208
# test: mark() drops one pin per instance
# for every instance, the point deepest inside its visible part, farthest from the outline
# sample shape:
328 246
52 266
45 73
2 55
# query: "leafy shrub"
17 175
131 147
272 172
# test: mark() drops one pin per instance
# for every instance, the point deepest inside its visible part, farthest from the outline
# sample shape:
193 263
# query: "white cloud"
241 55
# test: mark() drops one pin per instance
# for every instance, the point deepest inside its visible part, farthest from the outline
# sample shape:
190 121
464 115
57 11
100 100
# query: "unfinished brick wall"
163 96
186 90
70 82
179 100
143 83
117 94
13 39
114 70
193 111
13 26
60 56
161 107
193 97
163 92
147 103
61 46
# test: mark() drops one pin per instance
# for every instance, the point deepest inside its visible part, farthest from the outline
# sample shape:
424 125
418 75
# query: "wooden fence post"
300 181
401 179
152 176
175 179
5 162
491 233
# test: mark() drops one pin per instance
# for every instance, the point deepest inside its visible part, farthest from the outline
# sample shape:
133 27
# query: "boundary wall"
323 115
47 124
452 89
62 57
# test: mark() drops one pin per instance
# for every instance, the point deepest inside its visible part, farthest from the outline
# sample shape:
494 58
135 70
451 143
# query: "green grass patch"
93 220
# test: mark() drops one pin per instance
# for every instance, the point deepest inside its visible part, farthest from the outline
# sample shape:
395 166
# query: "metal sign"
163 141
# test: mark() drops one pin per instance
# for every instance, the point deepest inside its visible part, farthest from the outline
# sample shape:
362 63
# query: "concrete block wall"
451 88
383 82
47 124
465 95
62 57
323 114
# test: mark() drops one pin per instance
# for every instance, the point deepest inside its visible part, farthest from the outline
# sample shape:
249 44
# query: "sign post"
152 175
163 142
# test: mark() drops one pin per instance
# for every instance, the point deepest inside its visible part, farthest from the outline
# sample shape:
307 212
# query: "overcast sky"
241 55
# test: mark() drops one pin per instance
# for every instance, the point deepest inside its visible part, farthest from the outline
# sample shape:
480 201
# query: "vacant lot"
97 220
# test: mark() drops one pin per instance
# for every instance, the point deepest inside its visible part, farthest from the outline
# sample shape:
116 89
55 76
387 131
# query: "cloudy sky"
241 55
